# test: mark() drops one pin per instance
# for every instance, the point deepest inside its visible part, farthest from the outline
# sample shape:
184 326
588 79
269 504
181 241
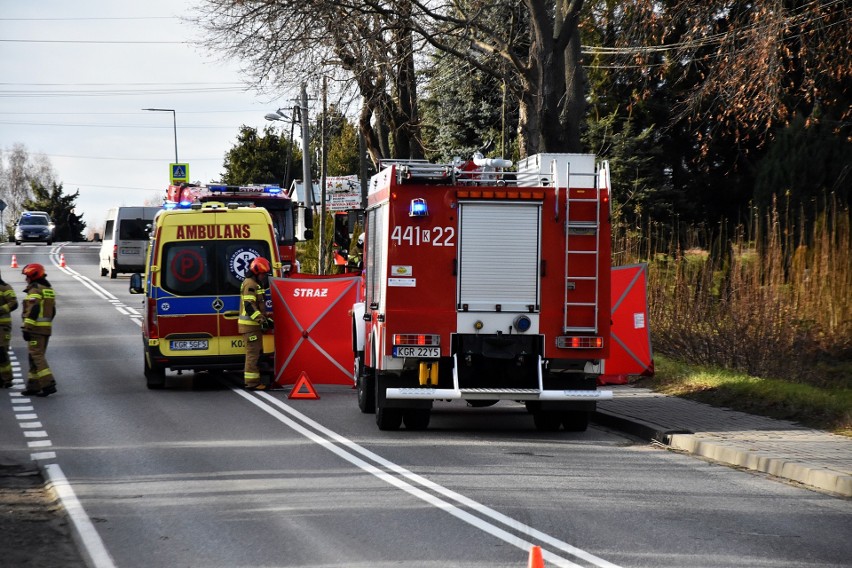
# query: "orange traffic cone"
536 560
61 261
14 262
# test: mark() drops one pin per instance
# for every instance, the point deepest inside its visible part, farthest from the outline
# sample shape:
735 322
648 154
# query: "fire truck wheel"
388 418
577 421
155 378
416 418
366 386
547 420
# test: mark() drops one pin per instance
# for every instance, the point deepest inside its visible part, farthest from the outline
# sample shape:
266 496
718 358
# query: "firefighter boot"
48 390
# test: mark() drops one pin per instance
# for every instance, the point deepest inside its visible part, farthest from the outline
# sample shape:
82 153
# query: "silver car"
34 226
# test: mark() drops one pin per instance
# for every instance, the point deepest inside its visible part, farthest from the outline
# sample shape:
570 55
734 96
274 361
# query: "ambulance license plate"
189 345
421 352
130 251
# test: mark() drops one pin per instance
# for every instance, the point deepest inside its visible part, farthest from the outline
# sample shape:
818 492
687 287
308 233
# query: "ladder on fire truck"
582 253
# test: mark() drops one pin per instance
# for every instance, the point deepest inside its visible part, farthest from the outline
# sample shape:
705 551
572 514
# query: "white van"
125 239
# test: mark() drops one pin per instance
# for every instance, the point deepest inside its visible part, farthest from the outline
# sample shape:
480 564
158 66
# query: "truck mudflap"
425 393
456 393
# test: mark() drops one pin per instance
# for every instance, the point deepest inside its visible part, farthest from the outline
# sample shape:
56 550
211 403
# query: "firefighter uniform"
38 312
8 304
251 323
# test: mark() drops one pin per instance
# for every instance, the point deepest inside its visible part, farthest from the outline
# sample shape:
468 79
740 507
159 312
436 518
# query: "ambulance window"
233 259
187 268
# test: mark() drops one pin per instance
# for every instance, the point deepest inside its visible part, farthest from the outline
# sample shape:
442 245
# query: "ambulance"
196 261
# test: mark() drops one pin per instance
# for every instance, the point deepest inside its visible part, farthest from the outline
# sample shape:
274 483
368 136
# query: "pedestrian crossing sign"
179 173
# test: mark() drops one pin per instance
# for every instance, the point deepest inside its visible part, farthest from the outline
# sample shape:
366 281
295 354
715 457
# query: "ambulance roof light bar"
245 189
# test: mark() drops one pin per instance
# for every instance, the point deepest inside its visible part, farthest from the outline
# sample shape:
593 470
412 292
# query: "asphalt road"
205 474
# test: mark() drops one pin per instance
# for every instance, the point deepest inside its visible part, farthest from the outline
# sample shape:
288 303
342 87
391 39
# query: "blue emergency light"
418 208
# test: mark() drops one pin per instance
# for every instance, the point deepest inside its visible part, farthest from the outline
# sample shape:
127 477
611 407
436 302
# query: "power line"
78 125
97 41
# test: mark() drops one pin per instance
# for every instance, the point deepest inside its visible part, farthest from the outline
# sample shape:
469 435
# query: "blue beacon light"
418 208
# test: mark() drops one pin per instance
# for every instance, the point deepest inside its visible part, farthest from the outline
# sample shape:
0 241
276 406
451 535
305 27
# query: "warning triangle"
303 382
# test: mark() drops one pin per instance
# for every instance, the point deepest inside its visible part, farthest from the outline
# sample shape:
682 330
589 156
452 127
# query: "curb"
816 477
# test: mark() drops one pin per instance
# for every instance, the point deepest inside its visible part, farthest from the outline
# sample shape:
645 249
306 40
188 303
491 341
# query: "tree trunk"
551 110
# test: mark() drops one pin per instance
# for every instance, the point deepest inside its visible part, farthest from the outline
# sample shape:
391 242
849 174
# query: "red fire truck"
286 215
485 285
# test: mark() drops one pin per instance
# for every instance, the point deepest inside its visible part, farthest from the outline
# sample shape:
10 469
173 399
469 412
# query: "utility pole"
323 170
306 156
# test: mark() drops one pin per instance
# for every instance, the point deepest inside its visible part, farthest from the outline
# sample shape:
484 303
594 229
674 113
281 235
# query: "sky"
74 77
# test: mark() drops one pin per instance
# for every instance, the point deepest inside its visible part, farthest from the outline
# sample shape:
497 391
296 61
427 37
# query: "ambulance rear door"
200 275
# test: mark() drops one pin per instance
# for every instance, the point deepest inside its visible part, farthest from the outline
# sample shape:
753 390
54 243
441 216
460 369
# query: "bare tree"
532 46
18 171
284 42
744 67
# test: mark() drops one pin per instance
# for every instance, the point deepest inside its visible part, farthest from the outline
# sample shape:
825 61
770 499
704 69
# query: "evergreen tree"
805 163
261 158
341 141
69 225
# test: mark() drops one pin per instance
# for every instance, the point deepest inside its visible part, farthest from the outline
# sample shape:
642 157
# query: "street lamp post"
280 116
174 122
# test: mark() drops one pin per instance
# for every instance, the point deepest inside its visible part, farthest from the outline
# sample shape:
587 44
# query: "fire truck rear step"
490 394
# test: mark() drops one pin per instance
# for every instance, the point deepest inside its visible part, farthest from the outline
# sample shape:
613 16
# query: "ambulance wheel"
365 383
155 378
103 271
416 418
547 420
113 273
577 421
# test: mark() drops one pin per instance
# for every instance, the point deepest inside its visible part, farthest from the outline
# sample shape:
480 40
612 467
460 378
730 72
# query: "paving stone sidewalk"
814 458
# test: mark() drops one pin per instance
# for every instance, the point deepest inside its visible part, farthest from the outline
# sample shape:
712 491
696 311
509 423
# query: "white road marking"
91 544
400 477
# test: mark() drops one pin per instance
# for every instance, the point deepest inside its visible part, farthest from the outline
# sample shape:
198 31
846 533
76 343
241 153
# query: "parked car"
34 226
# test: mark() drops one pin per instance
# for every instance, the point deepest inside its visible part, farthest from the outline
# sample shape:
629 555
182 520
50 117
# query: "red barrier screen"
630 343
313 332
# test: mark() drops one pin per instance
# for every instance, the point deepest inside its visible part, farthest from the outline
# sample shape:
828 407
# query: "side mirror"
304 221
96 237
136 284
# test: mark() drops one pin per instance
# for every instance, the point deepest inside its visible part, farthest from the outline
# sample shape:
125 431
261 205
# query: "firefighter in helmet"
8 304
38 312
254 320
355 262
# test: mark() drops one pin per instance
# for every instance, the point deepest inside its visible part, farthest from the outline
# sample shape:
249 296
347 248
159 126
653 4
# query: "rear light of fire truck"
426 339
579 342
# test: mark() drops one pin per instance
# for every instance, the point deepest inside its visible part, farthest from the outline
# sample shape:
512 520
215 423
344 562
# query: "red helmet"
33 271
260 266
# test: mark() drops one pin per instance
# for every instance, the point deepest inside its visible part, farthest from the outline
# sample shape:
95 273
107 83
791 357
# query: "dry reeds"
770 297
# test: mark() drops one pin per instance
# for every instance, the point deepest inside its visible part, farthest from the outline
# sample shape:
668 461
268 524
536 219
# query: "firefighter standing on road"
8 304
253 320
38 312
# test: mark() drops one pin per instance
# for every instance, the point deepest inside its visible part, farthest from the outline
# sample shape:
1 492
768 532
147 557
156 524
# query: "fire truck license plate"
189 345
423 352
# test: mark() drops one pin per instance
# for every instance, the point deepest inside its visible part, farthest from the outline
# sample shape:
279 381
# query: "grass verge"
816 407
